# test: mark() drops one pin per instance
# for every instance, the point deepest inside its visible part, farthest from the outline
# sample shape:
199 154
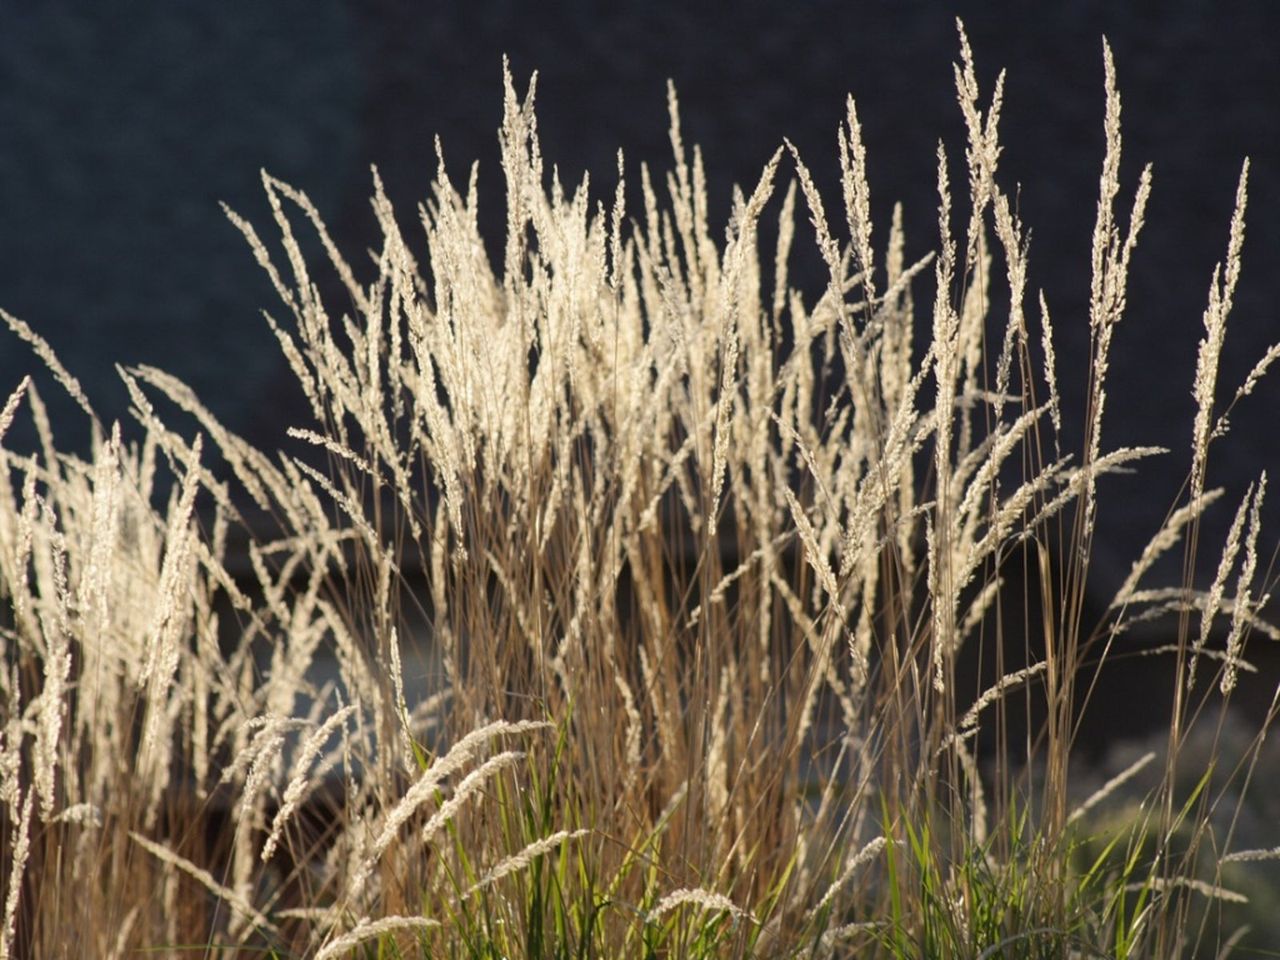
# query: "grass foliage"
645 585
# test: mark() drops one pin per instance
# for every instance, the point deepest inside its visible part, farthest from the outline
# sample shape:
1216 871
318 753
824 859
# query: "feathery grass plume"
57 670
1250 382
1162 649
869 852
1072 483
1208 890
265 752
18 861
857 196
11 406
1165 539
1013 238
397 686
470 784
1240 612
263 258
1110 269
817 216
996 691
716 763
703 899
1111 786
80 813
983 149
253 470
94 588
236 901
170 619
1221 294
946 328
353 510
1051 372
304 203
122 933
50 360
813 552
720 591
1213 599
521 860
1006 439
19 533
247 735
977 797
1249 856
333 446
425 788
367 930
740 246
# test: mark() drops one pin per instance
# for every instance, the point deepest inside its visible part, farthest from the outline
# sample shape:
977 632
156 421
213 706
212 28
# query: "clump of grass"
697 562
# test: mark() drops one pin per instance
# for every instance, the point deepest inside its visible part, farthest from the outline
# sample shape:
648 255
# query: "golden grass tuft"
619 603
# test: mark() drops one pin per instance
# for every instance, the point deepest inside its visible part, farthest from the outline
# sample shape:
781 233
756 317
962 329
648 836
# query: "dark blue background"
123 124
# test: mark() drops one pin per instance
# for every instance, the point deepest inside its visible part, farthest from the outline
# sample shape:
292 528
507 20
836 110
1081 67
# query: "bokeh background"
122 125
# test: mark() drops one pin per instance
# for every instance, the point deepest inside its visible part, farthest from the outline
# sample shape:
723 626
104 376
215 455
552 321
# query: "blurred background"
123 125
